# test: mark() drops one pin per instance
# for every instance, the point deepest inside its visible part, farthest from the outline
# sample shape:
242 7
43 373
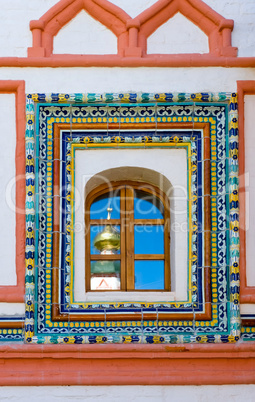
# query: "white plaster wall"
243 14
170 163
96 79
178 35
7 186
15 35
249 132
203 393
247 309
85 35
12 309
134 7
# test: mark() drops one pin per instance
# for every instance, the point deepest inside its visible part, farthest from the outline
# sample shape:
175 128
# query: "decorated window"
127 238
173 153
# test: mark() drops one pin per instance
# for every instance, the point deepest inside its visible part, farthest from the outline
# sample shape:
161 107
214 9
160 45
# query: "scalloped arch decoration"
132 33
58 16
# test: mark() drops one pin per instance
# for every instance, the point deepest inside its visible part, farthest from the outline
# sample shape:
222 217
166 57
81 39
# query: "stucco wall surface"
223 393
7 185
250 187
15 35
178 35
144 79
85 35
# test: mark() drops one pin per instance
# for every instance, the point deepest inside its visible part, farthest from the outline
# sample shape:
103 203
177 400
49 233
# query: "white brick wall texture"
223 393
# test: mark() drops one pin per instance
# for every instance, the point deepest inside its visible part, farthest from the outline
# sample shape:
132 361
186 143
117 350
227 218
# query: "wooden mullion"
123 281
167 271
149 222
149 257
130 269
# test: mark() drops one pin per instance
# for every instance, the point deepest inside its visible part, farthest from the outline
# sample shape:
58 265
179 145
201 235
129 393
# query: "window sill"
129 296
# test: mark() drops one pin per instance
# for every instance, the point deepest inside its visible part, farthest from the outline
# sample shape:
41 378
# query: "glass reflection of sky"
149 239
98 209
147 206
94 230
149 275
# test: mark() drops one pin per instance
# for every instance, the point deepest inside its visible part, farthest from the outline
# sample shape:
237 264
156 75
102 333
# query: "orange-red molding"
132 33
16 294
247 293
59 15
127 364
164 60
215 26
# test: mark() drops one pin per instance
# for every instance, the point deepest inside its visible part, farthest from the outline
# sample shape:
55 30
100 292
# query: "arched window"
127 239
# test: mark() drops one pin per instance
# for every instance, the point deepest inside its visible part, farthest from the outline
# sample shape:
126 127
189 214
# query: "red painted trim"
127 364
15 294
59 15
132 33
179 60
247 293
216 27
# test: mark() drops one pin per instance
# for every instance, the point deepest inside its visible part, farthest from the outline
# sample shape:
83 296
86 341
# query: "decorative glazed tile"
48 297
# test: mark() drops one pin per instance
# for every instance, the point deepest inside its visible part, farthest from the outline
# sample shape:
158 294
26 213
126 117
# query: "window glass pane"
104 239
149 275
98 209
149 239
105 275
147 206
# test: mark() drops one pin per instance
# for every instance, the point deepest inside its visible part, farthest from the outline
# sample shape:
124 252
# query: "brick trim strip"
16 294
127 364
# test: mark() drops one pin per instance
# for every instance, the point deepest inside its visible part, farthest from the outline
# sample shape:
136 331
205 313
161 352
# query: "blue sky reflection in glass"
149 275
147 206
149 239
98 209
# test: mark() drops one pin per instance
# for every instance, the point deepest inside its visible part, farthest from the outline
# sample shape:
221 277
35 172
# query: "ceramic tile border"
48 111
94 142
233 171
247 293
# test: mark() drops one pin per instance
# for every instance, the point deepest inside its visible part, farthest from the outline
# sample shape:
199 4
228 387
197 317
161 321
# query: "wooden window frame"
127 222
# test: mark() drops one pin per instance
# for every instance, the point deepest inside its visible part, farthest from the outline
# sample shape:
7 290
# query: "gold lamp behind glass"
105 275
108 241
